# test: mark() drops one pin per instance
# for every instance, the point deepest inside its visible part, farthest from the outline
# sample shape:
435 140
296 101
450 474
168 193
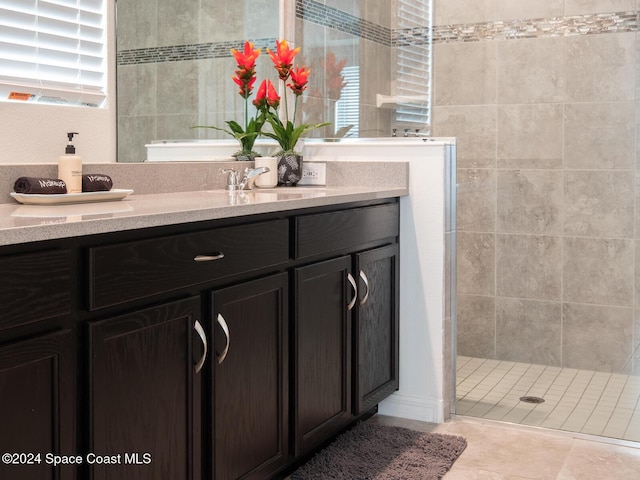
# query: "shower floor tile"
596 403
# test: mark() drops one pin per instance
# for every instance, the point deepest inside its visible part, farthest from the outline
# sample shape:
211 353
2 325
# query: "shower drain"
532 399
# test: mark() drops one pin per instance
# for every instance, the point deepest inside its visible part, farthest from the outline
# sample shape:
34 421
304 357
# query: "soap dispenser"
70 167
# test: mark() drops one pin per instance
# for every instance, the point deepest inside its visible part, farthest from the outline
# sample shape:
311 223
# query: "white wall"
31 133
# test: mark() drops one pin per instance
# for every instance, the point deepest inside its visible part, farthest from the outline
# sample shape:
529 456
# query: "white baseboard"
414 408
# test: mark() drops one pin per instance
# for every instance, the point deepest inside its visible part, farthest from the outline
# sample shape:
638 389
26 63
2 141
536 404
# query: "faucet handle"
233 180
232 176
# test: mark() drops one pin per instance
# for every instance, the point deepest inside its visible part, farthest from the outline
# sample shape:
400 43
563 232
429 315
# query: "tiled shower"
544 98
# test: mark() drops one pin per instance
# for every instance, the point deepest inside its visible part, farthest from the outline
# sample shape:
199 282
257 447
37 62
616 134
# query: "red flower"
283 58
261 96
273 99
266 96
246 85
299 79
246 72
247 58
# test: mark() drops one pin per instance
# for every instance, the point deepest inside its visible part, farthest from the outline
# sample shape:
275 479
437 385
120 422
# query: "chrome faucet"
234 185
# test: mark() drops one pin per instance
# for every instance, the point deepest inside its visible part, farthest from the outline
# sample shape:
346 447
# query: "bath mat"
379 452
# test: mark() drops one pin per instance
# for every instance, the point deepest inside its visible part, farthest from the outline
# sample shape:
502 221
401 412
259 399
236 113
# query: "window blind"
53 51
347 109
414 59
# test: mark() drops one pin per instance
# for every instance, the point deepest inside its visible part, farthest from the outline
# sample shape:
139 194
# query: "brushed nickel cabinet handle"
355 291
209 258
203 337
225 329
364 278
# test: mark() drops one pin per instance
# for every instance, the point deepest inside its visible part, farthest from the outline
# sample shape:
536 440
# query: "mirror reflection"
369 62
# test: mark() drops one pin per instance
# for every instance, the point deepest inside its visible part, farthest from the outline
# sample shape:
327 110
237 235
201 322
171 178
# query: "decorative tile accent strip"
177 53
308 10
592 24
410 37
320 14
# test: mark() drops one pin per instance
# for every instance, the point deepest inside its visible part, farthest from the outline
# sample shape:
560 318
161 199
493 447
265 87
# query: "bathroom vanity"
198 335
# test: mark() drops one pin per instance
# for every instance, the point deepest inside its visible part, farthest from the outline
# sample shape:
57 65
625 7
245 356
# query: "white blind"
347 112
53 51
414 59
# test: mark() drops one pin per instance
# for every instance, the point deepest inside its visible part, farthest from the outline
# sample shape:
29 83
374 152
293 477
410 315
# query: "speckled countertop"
31 223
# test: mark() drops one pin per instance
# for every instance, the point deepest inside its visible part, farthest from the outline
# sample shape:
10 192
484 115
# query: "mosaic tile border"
411 36
320 14
178 53
308 10
590 24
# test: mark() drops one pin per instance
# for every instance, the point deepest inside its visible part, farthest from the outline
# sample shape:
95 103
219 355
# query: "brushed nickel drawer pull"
209 258
203 337
364 278
355 291
225 329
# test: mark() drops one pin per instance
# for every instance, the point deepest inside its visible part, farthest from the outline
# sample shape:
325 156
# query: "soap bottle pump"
70 167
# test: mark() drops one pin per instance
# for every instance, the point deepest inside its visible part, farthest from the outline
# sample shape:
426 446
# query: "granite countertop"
174 193
31 223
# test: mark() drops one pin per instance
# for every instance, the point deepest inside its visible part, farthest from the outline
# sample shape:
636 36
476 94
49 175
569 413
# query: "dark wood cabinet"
34 287
376 327
145 393
132 270
250 379
322 351
346 318
37 408
220 350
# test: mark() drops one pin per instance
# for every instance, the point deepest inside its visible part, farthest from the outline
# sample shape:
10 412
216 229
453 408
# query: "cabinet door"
250 378
145 393
322 351
37 386
376 327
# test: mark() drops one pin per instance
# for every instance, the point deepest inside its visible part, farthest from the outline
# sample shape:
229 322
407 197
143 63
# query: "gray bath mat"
379 452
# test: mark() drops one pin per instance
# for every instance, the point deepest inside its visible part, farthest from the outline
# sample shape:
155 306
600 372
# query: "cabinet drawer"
133 270
34 287
327 232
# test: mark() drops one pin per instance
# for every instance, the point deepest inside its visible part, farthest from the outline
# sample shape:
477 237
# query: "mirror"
174 65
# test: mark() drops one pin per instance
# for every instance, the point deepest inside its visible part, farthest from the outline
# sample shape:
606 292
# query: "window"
347 119
53 51
413 64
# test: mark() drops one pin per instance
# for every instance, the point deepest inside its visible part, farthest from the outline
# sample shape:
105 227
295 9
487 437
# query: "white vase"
270 178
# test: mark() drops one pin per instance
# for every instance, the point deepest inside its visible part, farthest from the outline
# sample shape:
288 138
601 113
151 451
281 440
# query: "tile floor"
500 451
583 401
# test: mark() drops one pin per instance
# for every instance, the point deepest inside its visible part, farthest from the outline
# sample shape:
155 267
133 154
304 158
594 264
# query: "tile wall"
544 98
174 64
359 33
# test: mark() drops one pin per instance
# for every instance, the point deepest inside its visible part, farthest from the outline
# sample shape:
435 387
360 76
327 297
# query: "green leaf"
235 126
214 128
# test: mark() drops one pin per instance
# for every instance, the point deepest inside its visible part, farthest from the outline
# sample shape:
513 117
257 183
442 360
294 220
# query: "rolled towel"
39 185
96 182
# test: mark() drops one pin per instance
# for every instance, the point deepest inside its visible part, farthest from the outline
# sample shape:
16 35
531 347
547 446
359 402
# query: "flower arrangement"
286 133
245 78
267 101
